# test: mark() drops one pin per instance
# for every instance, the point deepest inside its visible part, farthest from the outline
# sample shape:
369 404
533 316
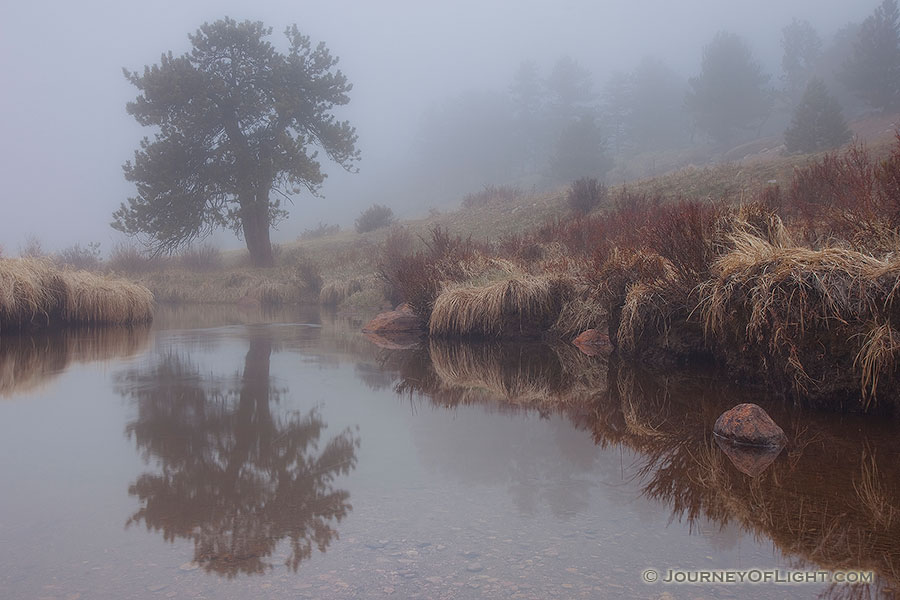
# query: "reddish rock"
749 425
751 460
405 308
395 322
593 342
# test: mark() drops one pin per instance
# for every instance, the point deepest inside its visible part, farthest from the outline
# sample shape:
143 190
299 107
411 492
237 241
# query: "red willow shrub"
847 196
416 277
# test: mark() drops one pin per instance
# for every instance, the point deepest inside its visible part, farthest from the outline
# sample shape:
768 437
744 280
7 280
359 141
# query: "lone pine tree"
238 128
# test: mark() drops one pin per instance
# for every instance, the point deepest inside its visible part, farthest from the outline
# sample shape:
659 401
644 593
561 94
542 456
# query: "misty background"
439 95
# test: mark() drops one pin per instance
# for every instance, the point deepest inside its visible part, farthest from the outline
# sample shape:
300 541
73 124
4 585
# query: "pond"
236 454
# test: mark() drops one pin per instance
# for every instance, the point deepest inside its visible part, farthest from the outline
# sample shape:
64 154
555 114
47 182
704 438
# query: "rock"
751 460
395 322
749 425
405 308
593 342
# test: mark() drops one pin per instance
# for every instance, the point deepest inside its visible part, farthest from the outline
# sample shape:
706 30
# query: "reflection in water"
830 500
234 477
30 360
508 375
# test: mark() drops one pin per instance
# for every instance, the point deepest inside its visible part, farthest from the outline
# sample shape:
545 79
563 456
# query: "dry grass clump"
96 299
520 307
821 320
33 293
646 303
580 313
335 292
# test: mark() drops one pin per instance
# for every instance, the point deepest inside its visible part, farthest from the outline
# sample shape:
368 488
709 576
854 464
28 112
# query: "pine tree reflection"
233 477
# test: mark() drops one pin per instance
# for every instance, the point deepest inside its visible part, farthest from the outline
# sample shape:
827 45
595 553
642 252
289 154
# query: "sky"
64 132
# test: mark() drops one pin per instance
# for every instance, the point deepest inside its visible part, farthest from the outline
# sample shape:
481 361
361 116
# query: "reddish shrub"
416 277
685 234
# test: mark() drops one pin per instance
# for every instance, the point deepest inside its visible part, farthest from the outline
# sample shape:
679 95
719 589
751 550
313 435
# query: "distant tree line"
554 127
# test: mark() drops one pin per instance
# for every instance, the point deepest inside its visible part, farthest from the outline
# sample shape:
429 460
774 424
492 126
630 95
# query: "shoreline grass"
35 294
788 289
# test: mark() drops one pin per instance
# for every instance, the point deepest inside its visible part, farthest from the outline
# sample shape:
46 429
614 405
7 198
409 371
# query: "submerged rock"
593 342
748 424
751 460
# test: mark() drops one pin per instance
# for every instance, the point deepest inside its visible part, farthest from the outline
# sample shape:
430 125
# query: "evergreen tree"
818 122
526 90
729 96
570 88
236 121
617 108
802 49
874 69
580 152
657 113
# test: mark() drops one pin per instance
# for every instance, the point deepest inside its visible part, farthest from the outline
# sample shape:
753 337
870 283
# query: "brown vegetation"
33 294
792 288
513 308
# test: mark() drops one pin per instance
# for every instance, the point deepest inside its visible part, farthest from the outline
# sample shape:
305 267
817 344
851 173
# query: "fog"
65 132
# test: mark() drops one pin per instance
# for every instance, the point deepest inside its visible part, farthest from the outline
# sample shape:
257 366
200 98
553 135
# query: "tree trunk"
255 224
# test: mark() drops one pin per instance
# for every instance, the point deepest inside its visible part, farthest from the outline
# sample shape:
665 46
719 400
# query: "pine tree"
802 50
818 122
236 120
873 72
580 151
729 96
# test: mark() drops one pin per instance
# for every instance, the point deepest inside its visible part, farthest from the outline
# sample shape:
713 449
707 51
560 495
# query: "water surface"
228 454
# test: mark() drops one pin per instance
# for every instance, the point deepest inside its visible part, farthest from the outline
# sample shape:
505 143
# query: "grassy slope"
348 255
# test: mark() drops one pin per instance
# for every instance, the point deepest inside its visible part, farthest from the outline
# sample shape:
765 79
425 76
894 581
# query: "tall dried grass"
518 307
34 293
811 316
335 292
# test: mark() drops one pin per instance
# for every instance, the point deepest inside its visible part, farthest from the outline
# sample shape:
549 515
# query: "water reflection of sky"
231 450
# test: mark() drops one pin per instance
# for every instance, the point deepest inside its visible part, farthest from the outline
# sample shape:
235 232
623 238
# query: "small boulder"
405 308
593 342
749 425
395 322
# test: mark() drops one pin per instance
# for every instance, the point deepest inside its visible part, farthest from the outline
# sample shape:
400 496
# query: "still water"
227 454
